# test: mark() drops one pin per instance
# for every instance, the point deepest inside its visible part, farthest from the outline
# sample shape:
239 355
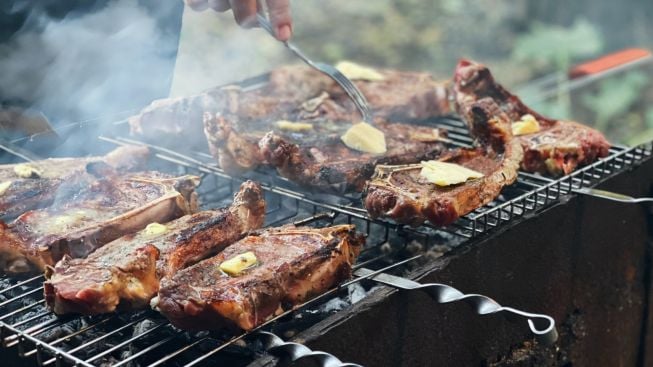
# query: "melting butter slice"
527 125
294 126
446 174
154 229
70 220
426 137
355 71
26 171
4 186
237 264
365 138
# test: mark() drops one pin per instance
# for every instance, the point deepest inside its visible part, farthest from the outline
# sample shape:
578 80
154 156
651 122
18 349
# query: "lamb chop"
559 147
83 218
403 194
33 185
125 273
287 266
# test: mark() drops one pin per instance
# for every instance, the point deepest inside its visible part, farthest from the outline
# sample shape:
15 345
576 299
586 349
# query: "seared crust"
23 194
125 273
294 264
400 96
245 135
235 152
334 167
560 146
85 218
400 193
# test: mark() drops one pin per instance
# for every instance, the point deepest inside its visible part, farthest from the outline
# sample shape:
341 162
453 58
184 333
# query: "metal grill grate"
146 339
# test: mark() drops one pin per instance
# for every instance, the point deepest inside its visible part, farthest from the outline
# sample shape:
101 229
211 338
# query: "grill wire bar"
36 333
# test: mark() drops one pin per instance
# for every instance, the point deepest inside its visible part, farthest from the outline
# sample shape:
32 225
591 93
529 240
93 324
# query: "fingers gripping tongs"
345 83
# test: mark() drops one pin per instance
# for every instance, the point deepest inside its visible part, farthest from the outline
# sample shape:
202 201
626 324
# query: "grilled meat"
83 218
401 95
303 95
125 273
401 193
292 265
243 137
330 165
34 185
176 118
558 148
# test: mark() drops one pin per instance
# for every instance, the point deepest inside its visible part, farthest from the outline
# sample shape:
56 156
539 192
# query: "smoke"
108 60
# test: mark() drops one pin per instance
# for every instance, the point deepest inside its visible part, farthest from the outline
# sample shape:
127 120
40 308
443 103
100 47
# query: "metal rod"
95 340
528 188
20 284
542 326
144 351
283 314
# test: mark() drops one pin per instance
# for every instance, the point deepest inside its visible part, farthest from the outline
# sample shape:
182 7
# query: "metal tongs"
347 85
613 196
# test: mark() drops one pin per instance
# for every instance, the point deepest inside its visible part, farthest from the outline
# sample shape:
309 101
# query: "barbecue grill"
525 234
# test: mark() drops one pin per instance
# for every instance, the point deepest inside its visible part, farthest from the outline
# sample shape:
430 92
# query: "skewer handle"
542 326
295 351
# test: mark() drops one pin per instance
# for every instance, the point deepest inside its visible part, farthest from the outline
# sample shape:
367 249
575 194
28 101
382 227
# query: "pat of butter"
4 186
446 174
26 171
358 72
237 264
527 125
154 229
68 220
294 126
365 138
433 135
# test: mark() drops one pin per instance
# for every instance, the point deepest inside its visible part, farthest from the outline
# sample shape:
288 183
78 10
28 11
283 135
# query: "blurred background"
520 40
82 59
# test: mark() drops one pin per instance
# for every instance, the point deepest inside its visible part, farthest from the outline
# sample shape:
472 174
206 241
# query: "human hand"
245 13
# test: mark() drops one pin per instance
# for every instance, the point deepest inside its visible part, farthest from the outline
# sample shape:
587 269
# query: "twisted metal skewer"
294 351
542 326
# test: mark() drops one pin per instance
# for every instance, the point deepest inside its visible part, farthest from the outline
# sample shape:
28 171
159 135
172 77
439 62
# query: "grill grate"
146 339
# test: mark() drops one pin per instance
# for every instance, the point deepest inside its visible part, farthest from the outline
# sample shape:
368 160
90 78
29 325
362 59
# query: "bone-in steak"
125 273
245 136
400 96
558 148
83 218
401 193
330 165
34 185
293 265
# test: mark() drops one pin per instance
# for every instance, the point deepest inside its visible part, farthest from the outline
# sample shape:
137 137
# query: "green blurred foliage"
615 97
520 40
551 45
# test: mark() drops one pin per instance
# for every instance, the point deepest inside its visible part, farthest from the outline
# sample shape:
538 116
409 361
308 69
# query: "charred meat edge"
413 205
25 194
191 303
558 148
237 152
19 257
125 273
